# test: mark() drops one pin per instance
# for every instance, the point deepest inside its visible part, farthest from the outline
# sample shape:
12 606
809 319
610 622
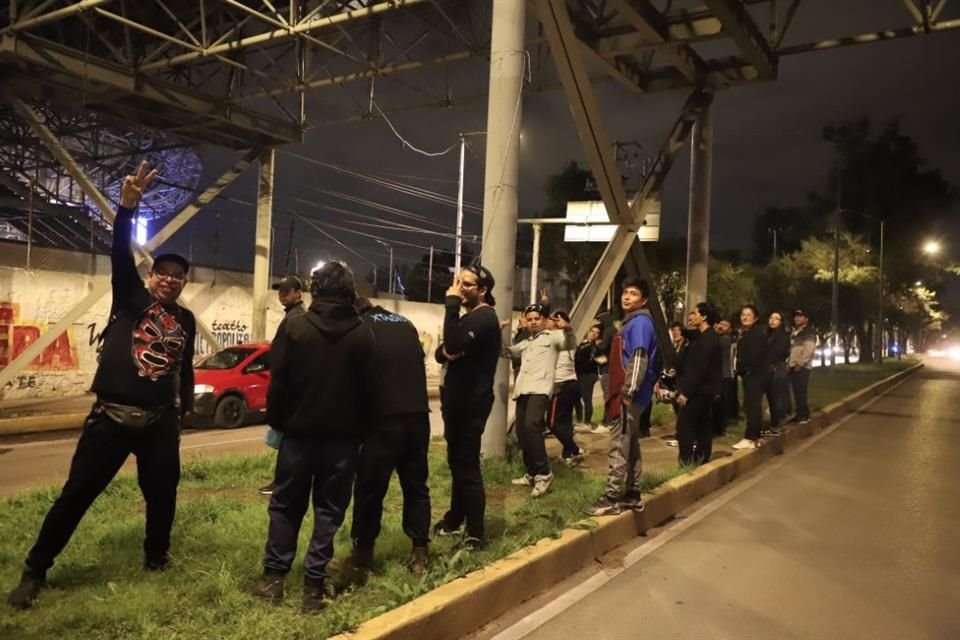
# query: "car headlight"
202 388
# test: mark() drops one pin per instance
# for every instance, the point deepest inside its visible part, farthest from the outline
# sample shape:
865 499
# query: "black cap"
800 312
289 282
173 257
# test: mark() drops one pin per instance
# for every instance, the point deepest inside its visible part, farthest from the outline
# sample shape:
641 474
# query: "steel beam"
305 26
739 25
178 101
651 26
53 16
867 38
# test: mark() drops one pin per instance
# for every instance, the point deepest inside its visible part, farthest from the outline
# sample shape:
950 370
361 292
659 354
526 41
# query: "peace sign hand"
134 186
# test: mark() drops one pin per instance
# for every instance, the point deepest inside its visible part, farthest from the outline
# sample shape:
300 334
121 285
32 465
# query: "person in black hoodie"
778 345
399 439
754 367
144 386
699 382
321 387
470 349
588 373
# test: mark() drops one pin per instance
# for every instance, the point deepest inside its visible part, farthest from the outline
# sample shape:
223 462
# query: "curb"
42 423
463 606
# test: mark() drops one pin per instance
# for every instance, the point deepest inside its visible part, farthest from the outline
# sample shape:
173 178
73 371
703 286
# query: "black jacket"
607 334
778 347
583 359
753 353
322 384
468 384
146 354
701 373
398 365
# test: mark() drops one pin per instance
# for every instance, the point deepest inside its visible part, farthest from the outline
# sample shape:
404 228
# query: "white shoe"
745 444
576 459
583 428
525 481
601 430
541 484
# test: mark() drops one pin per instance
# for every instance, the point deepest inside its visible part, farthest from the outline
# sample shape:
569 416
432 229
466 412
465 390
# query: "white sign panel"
589 223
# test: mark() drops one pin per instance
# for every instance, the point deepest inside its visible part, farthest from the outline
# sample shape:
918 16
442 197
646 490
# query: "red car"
230 386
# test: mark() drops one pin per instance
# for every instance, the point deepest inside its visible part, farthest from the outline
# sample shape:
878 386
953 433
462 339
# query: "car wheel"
231 413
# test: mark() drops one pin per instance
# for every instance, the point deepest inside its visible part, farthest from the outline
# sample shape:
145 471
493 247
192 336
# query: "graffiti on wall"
17 334
227 332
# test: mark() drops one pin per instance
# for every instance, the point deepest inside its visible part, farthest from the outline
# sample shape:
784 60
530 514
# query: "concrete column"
535 263
698 222
500 189
261 257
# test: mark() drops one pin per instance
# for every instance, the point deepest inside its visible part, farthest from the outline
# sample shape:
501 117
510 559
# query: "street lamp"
389 248
931 247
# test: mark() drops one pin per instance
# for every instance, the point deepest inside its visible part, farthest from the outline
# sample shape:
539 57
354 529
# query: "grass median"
98 590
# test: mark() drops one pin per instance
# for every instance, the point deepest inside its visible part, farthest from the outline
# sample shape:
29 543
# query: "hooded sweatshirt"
633 370
401 379
322 382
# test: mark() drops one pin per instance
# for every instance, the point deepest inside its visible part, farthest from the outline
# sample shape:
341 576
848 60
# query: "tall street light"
931 247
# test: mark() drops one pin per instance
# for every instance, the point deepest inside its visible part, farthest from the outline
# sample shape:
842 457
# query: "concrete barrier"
459 608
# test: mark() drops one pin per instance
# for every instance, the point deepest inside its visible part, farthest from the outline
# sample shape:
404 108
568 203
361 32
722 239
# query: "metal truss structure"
255 74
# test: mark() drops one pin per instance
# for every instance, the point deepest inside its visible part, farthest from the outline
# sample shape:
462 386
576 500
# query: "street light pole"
459 245
835 297
880 298
535 262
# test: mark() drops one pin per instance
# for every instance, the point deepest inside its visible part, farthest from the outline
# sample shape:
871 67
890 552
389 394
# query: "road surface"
37 461
854 535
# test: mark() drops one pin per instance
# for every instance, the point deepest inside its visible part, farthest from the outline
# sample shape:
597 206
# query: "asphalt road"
856 535
43 460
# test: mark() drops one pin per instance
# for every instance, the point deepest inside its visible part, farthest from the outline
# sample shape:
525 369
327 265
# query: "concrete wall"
32 300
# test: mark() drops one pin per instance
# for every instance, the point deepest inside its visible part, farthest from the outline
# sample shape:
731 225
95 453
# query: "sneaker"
671 442
267 490
442 531
576 459
746 444
472 543
25 593
803 420
632 501
525 481
772 432
601 429
157 563
584 428
605 506
419 561
541 484
314 596
269 587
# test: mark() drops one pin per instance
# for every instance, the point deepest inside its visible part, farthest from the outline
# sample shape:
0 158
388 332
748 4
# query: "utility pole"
458 250
30 222
698 219
835 298
535 262
501 173
264 240
430 277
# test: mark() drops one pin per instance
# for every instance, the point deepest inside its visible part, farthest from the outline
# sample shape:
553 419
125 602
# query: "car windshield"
226 359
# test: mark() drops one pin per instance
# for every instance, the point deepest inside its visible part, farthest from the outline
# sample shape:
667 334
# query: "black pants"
588 382
718 414
401 443
800 382
531 419
102 449
754 385
561 415
695 430
317 467
731 398
776 393
462 429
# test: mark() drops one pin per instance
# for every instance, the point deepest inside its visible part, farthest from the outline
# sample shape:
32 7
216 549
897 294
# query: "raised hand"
134 186
455 288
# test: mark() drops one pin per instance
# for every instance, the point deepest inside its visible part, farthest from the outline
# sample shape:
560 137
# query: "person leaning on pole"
144 387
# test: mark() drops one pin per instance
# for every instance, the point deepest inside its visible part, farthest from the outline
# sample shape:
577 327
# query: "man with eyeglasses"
144 386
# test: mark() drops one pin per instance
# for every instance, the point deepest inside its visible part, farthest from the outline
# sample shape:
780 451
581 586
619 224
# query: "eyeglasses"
166 275
468 285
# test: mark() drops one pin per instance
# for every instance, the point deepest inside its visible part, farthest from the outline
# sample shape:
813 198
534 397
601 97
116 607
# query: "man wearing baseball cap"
144 386
803 345
290 294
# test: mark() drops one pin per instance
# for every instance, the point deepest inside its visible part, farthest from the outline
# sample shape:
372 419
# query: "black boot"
25 593
269 587
419 561
314 595
156 563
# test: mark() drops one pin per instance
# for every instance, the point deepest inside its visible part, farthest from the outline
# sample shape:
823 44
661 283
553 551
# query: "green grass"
99 590
828 385
662 414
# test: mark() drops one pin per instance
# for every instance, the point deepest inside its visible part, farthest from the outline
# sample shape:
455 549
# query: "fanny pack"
129 416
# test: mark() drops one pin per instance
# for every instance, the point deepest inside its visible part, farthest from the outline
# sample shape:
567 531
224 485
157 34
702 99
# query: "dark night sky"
768 148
